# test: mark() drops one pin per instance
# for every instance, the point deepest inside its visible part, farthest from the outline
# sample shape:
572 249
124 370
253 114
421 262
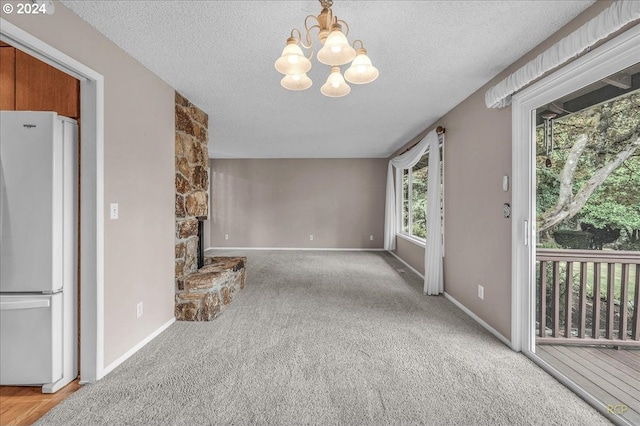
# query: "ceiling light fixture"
335 51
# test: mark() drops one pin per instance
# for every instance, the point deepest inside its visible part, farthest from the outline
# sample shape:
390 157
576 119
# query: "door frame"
91 194
615 55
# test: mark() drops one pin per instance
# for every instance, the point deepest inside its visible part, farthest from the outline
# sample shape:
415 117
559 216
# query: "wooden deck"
611 375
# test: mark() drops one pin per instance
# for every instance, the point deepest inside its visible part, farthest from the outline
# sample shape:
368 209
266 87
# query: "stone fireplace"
202 290
192 184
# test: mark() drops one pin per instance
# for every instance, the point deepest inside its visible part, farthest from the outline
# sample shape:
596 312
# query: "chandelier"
335 51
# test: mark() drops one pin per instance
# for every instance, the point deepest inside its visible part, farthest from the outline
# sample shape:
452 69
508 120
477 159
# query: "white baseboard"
137 347
478 320
294 248
406 264
462 307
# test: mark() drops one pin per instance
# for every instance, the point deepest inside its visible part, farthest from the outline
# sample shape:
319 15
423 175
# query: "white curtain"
393 209
613 18
433 277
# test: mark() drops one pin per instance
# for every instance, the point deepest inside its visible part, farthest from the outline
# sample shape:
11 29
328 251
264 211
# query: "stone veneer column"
192 184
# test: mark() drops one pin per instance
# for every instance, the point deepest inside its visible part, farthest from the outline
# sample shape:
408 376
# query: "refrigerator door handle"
7 305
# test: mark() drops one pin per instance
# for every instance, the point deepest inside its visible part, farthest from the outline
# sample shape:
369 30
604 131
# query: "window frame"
408 235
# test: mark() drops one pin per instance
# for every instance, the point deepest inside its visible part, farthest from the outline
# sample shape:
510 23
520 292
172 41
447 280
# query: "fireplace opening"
201 220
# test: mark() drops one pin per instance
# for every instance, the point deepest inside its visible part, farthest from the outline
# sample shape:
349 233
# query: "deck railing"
584 297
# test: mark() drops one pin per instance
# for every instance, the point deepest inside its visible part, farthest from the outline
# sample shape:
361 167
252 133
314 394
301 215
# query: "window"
414 197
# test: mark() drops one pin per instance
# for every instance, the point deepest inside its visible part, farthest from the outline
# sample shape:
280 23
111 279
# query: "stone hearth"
200 293
210 289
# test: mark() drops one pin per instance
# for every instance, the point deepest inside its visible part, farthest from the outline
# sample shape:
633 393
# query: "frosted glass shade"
336 50
292 61
361 71
296 82
335 85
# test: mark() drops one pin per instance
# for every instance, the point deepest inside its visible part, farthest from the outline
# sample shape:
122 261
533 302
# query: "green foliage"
549 244
573 239
629 245
419 185
548 185
616 203
405 201
418 176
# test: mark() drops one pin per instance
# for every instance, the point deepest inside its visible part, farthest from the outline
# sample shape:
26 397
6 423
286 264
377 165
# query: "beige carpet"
327 338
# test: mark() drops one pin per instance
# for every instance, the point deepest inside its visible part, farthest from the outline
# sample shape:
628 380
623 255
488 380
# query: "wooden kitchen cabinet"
37 86
41 87
7 78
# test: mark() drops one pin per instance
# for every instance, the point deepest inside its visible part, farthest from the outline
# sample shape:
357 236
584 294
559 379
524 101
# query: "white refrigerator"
38 250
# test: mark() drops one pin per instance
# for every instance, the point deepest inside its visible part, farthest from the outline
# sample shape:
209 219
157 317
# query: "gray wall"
411 253
280 202
477 237
138 174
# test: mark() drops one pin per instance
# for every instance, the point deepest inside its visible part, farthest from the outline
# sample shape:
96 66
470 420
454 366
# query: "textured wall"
477 237
280 203
191 183
139 135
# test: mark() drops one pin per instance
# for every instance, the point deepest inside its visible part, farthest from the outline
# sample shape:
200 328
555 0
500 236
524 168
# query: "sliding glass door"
573 151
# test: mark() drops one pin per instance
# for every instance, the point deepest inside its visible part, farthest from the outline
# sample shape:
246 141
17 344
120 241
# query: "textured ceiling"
220 54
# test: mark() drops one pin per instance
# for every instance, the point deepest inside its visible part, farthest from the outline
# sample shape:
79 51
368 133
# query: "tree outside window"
414 198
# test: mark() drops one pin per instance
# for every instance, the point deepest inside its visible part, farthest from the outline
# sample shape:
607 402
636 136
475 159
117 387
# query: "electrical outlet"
226 236
310 237
370 237
481 292
139 310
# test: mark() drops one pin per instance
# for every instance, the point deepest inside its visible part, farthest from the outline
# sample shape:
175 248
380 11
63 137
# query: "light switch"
114 210
505 183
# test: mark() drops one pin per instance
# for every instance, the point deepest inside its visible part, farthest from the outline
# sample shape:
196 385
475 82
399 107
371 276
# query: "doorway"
609 59
32 85
91 195
587 246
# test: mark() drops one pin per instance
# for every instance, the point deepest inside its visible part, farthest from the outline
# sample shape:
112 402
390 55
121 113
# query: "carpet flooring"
327 338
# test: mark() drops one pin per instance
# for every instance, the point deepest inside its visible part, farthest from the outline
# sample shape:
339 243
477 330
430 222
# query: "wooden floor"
23 405
611 375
